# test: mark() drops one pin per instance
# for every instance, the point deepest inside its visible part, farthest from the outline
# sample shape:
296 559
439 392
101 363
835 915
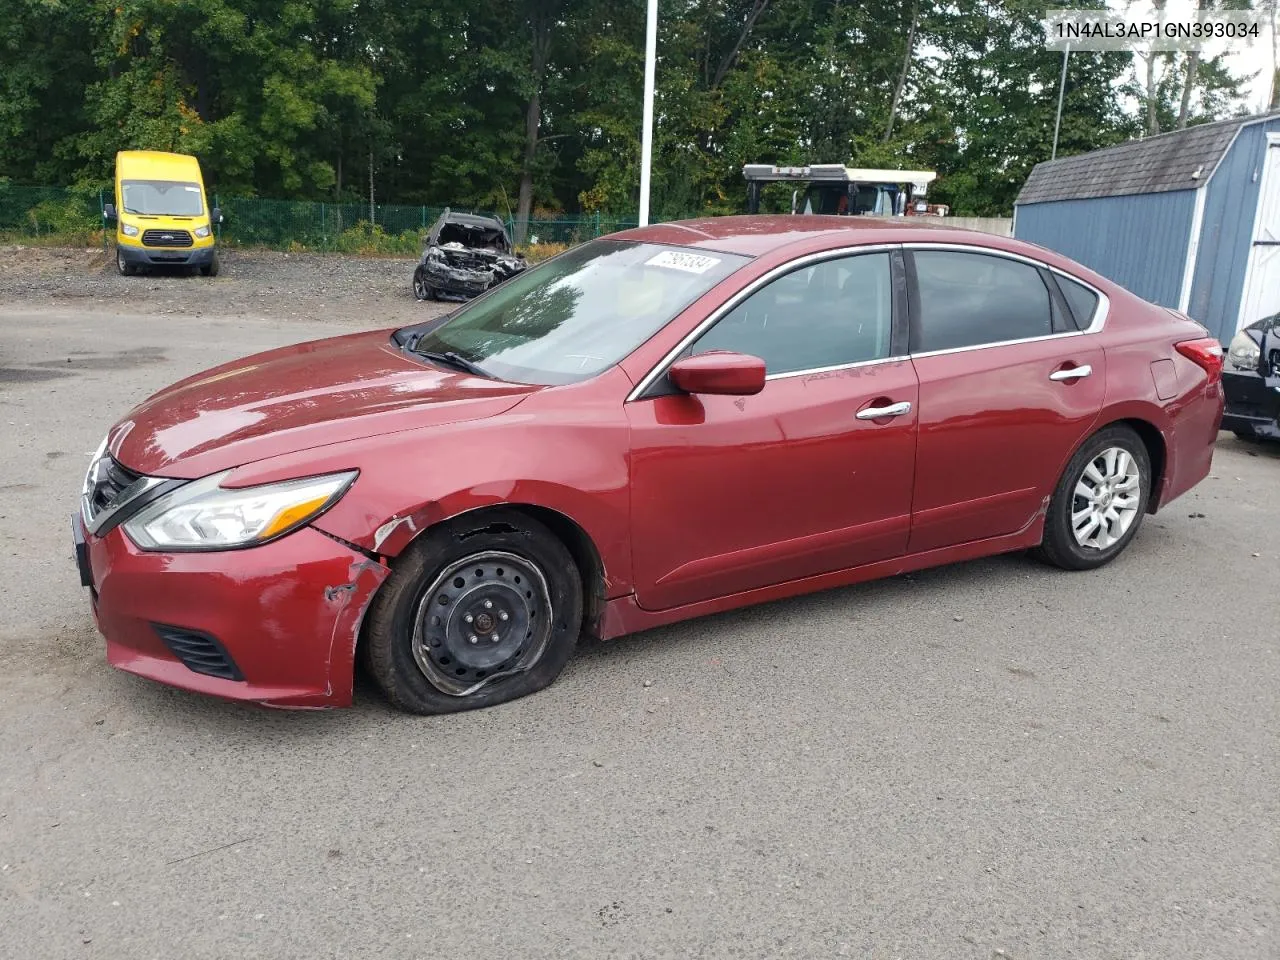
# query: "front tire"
422 290
1099 502
123 266
211 268
477 611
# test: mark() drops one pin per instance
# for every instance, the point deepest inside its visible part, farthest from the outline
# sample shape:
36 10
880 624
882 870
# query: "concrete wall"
1138 241
1000 226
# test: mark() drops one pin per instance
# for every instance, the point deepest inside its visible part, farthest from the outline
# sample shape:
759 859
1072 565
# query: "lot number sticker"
688 262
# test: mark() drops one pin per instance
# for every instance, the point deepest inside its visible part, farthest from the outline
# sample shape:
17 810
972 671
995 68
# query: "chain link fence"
51 214
74 216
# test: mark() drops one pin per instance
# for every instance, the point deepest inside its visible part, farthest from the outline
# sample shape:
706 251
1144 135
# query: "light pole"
646 136
1062 88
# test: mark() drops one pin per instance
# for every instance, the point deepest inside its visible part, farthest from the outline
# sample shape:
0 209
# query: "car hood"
296 398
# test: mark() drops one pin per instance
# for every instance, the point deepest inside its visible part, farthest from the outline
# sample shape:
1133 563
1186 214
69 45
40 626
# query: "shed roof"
1181 160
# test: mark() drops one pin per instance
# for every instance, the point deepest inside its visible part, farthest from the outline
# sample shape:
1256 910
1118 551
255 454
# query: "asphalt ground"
988 760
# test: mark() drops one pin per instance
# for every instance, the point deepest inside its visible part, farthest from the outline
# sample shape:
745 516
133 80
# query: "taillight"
1207 353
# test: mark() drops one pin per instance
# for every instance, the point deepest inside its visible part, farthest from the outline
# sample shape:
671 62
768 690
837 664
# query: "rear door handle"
893 410
1075 373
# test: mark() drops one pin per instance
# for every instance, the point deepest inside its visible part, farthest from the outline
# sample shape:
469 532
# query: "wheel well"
1154 442
580 547
576 541
584 553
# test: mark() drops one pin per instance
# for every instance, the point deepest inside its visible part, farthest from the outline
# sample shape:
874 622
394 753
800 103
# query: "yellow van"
161 214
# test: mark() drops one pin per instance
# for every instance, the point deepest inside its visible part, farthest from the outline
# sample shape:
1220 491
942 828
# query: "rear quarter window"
1082 301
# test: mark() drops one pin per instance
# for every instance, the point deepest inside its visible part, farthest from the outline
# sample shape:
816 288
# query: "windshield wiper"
451 359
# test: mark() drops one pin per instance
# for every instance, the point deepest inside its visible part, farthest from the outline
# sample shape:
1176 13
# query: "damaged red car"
665 423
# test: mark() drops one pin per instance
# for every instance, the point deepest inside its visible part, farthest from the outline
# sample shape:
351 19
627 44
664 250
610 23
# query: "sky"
1241 59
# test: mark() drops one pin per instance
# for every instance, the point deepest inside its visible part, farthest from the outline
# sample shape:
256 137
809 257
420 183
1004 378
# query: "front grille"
166 238
112 478
199 652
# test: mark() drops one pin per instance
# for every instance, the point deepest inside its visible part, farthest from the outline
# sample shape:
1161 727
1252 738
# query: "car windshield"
161 198
472 235
572 317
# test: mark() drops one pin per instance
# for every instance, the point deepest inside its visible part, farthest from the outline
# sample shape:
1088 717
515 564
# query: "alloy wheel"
1106 498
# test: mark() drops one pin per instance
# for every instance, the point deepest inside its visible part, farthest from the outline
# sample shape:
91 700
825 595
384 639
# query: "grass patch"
72 238
537 252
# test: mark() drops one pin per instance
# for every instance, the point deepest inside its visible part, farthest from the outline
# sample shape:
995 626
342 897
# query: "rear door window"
970 299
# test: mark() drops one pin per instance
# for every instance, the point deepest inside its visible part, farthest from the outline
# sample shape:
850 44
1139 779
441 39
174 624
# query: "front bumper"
167 256
1253 404
284 617
457 281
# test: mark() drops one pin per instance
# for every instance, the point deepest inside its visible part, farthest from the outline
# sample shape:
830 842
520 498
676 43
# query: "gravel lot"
989 760
260 283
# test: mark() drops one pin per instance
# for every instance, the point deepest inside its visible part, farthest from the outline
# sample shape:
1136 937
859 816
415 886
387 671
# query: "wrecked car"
1251 381
465 255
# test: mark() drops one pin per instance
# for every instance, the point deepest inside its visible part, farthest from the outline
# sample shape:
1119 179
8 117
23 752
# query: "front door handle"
1074 373
893 410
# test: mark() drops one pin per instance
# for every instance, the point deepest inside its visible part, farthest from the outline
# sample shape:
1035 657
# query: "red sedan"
665 423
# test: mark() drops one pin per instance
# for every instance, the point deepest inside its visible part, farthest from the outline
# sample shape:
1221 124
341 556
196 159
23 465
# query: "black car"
466 254
1251 380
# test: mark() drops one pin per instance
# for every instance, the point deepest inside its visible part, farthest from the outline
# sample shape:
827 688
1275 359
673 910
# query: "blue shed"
1189 219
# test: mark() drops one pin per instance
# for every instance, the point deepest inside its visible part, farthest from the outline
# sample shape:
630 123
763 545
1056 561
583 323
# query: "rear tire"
1099 502
125 268
477 611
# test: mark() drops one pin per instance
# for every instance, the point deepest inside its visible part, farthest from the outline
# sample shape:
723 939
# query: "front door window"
829 314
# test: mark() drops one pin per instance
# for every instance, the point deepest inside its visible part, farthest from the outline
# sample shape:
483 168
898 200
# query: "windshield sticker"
688 262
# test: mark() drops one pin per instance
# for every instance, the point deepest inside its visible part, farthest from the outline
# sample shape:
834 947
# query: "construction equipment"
833 188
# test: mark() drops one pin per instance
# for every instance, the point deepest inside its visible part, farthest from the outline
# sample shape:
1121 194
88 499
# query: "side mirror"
719 372
216 216
109 211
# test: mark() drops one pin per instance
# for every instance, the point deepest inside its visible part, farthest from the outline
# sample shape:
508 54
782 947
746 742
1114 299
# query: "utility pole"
646 136
1062 88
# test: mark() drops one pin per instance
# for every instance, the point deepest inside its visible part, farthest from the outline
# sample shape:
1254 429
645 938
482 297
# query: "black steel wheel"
480 610
422 290
484 617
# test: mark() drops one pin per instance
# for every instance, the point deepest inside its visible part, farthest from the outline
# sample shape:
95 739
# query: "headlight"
128 229
91 475
202 231
204 516
1243 354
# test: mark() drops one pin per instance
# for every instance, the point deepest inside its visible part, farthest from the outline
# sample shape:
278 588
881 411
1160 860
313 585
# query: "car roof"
156 165
754 236
471 220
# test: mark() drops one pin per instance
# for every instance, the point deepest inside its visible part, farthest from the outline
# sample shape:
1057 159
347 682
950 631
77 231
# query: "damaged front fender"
348 602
